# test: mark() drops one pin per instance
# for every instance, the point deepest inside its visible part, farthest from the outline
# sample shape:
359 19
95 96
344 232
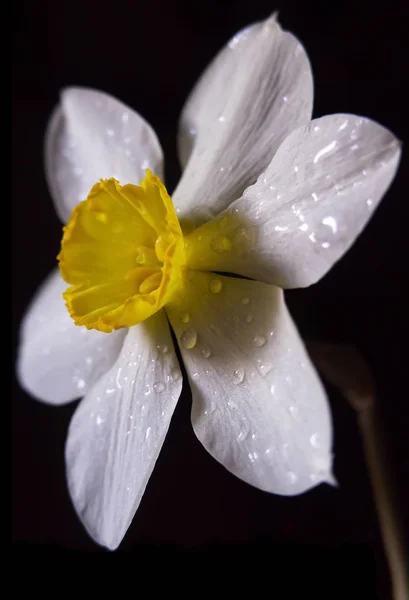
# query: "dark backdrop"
149 54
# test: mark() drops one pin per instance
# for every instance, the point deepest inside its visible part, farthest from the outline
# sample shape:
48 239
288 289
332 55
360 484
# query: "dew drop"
148 432
206 352
242 436
272 389
249 318
232 404
215 286
184 317
158 387
99 420
80 384
221 243
292 476
331 223
147 389
89 360
238 375
175 375
188 339
293 411
259 341
315 440
264 368
245 300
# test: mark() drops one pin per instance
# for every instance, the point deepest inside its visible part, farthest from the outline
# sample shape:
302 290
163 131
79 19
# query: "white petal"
256 91
90 136
258 405
118 430
58 361
309 206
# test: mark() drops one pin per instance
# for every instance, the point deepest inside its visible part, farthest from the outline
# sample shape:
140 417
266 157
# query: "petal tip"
272 22
331 480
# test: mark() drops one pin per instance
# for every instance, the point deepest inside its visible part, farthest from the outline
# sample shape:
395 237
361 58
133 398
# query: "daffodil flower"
266 194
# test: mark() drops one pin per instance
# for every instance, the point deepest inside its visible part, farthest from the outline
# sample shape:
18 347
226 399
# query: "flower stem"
344 367
391 530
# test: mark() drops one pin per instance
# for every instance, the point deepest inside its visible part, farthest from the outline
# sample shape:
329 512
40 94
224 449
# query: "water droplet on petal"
292 476
158 387
315 440
293 411
249 318
221 243
148 432
184 317
80 384
188 339
206 352
245 300
264 368
259 341
215 286
175 375
238 375
232 404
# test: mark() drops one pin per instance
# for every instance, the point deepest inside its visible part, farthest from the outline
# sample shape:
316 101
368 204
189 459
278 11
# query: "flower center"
123 254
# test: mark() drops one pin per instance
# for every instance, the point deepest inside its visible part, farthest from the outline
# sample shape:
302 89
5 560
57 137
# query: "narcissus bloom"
266 194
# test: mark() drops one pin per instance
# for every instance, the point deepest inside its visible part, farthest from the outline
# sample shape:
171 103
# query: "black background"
149 54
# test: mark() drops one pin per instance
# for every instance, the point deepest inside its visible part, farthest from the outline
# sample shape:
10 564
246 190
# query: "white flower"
289 196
